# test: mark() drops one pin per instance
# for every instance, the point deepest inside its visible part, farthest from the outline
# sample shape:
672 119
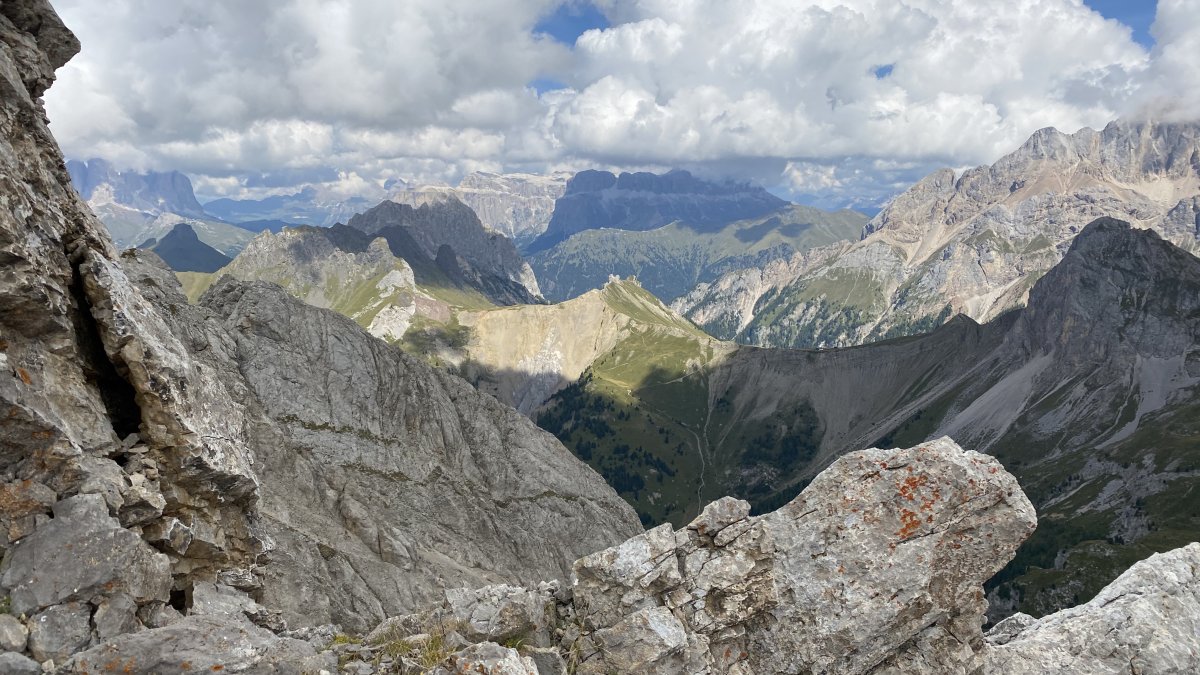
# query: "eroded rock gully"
136 527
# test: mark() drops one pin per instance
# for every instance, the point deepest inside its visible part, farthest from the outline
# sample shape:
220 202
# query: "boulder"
202 644
502 613
13 634
487 658
81 554
1147 621
879 562
12 663
59 631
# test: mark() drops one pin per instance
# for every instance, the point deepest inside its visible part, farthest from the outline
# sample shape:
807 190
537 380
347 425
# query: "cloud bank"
839 101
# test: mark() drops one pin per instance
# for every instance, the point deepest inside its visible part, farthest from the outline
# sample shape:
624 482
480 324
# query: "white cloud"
777 90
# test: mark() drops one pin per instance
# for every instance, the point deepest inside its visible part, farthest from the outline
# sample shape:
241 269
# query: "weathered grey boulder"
1147 621
12 663
202 644
881 559
59 631
13 634
502 613
82 554
487 658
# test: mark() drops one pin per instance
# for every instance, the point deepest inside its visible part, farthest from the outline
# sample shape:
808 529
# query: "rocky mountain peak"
183 250
977 243
645 201
1118 288
99 181
441 220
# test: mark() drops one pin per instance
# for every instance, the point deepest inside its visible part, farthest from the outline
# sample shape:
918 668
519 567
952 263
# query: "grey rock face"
136 432
1147 621
152 191
791 591
202 644
517 205
376 550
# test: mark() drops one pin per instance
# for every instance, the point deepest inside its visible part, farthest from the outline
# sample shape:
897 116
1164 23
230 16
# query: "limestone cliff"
972 244
136 207
141 434
517 205
671 259
645 201
383 480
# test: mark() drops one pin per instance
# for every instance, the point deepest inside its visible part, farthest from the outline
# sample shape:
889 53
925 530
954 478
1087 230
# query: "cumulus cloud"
839 101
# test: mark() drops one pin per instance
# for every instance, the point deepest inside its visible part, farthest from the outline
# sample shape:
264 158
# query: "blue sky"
570 20
566 24
1137 14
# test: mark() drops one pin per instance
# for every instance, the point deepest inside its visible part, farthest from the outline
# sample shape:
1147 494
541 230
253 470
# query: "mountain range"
137 207
517 205
671 259
308 206
250 483
1088 396
970 244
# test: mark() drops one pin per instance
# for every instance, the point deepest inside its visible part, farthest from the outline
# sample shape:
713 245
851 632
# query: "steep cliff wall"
140 435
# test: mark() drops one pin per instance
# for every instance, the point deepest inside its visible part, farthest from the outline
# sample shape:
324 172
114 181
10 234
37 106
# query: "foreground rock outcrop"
876 567
140 435
1147 621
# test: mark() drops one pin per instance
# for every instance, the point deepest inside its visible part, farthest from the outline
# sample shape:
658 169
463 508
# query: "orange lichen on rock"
909 524
909 486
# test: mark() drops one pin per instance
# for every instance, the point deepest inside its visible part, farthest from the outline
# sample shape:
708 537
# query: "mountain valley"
593 422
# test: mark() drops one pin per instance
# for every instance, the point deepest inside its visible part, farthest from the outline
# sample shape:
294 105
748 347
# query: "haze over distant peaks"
308 206
644 201
517 205
184 252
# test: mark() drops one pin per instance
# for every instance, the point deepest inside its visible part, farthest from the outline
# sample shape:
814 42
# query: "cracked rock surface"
877 567
139 435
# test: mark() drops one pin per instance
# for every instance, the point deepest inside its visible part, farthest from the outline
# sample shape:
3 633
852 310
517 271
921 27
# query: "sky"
828 102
